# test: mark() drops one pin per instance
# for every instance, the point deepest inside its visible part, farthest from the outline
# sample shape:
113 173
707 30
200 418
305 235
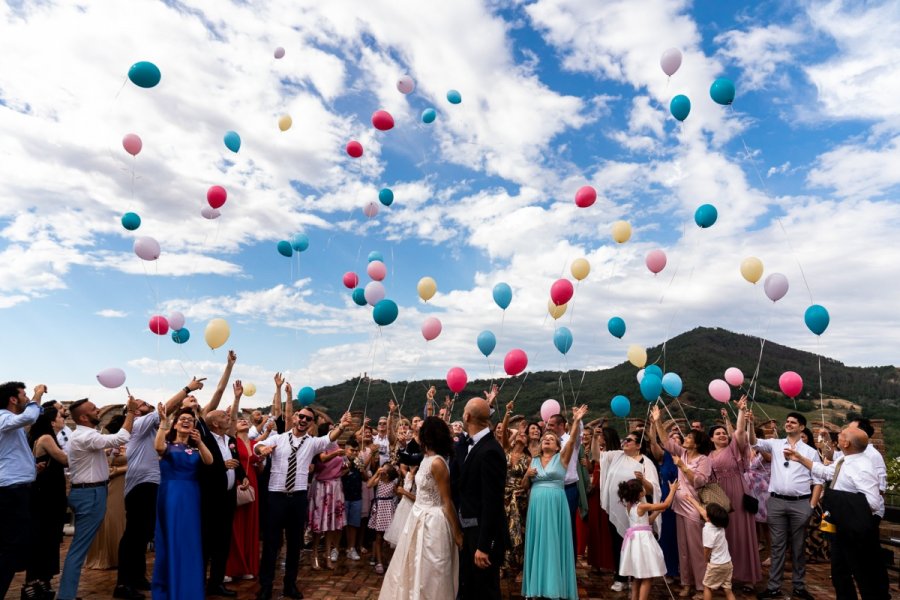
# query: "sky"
803 169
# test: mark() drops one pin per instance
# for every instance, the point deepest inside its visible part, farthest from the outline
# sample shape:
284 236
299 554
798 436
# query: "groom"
482 477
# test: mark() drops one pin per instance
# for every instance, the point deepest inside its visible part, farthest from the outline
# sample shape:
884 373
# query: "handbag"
246 496
712 493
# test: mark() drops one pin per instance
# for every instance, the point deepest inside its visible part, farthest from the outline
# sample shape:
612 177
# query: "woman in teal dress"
549 560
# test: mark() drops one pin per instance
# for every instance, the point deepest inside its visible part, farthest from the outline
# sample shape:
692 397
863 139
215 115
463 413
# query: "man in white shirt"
871 451
557 424
89 474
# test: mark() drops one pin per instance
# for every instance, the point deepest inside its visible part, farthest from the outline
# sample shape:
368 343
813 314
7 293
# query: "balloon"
580 268
549 408
457 379
147 248
502 295
209 212
359 296
374 292
722 91
656 261
640 375
300 242
382 120
734 377
131 221
562 339
233 143
719 390
585 196
279 52
515 362
616 326
454 97
216 196
385 312
556 311
285 122
144 74
249 389
431 328
429 115
426 288
776 286
405 85
376 270
620 406
651 386
132 144
354 149
706 215
670 61
176 320
486 342
111 378
375 255
653 370
561 291
285 249
790 383
351 280
306 396
370 209
817 319
386 196
637 356
621 231
751 269
680 107
672 384
159 325
180 336
217 332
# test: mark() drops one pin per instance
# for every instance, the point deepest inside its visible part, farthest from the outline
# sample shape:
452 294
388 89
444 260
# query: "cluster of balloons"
384 311
776 286
720 389
298 243
653 382
721 91
161 325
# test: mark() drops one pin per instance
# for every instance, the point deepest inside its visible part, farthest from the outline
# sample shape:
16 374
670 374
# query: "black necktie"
292 466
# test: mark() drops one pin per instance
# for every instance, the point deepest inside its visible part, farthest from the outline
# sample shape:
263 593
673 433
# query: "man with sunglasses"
793 494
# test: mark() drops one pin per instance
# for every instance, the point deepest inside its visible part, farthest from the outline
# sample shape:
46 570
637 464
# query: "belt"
80 486
783 497
15 486
571 485
289 494
466 522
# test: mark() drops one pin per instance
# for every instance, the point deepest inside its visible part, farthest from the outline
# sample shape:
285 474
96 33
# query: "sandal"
379 568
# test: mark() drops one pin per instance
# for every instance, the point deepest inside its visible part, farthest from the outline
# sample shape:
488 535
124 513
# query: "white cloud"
859 170
760 51
110 313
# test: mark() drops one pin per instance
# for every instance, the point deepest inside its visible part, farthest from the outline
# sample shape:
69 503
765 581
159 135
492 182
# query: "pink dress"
326 510
757 481
688 521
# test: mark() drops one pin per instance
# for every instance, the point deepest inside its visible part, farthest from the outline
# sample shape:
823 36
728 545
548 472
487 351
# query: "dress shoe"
220 590
802 594
770 594
265 593
143 585
292 592
128 593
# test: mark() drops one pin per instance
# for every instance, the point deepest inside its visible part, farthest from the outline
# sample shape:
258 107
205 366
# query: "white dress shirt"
63 438
384 448
225 451
793 479
143 461
857 475
714 539
877 462
87 459
477 438
572 467
305 453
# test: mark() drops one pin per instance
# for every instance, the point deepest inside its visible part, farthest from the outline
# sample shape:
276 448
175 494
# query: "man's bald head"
857 438
477 415
217 421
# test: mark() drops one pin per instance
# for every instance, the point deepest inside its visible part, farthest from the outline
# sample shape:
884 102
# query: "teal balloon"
454 97
651 386
429 115
233 141
486 341
620 406
285 249
300 242
722 91
375 255
131 221
502 295
706 215
180 336
144 74
359 296
306 396
680 107
672 384
817 319
562 339
653 370
386 196
385 312
616 326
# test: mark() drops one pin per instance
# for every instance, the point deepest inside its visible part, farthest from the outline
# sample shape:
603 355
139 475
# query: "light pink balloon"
431 328
561 291
734 377
370 209
656 261
147 248
719 390
791 384
351 280
132 144
374 292
159 325
776 286
176 320
549 408
405 85
457 379
376 270
210 213
670 61
111 378
515 362
279 52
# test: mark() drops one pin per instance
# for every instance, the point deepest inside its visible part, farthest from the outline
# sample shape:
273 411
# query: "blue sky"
556 94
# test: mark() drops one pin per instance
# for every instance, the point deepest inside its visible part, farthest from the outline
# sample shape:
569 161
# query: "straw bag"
712 493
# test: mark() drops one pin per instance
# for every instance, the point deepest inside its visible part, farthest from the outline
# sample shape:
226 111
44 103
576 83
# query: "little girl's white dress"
642 557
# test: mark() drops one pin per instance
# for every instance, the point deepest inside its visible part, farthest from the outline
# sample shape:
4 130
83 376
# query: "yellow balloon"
285 122
580 268
637 356
556 311
249 389
427 287
621 231
217 333
752 269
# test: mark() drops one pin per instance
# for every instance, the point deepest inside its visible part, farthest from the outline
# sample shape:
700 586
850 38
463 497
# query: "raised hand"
724 414
132 405
289 391
742 403
579 411
279 380
491 395
429 395
238 388
509 406
161 410
196 384
346 420
392 406
654 413
232 357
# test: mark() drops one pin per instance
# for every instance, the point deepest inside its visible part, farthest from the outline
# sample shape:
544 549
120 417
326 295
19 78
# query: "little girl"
382 512
407 496
642 558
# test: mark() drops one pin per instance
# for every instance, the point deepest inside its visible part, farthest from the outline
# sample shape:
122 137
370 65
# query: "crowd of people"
442 509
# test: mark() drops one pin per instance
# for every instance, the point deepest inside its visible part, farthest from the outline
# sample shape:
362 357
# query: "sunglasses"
632 440
304 418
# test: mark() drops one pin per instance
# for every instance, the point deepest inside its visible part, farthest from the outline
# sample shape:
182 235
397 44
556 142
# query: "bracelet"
187 391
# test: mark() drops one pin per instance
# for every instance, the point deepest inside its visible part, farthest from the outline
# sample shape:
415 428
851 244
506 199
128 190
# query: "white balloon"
176 321
406 84
374 292
147 248
640 375
370 209
209 212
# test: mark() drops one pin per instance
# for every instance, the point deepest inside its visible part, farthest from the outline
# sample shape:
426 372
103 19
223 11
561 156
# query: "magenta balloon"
374 292
734 377
670 61
176 320
159 325
376 270
111 378
790 383
431 328
370 209
457 379
132 144
147 248
351 280
549 408
656 261
515 362
210 213
719 390
561 291
776 286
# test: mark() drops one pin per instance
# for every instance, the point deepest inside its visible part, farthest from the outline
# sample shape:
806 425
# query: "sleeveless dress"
48 515
642 557
382 511
243 557
515 499
178 572
668 537
401 513
549 560
425 565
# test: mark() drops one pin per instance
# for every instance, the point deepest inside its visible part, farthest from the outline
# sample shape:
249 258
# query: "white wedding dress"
425 565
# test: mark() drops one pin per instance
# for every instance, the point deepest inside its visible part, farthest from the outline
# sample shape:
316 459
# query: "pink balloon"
354 149
790 383
210 213
176 320
431 328
351 280
279 52
561 291
549 408
376 270
370 209
457 379
132 144
147 248
374 292
656 261
719 390
734 377
111 378
776 286
159 325
382 120
585 196
515 362
405 84
670 61
216 196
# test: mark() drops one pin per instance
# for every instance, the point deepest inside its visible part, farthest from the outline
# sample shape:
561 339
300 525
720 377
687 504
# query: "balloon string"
359 381
524 379
821 393
762 344
502 320
673 419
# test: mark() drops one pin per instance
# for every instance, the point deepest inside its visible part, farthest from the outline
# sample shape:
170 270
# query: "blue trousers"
89 506
572 499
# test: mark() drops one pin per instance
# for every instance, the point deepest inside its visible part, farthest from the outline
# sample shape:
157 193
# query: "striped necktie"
292 465
837 471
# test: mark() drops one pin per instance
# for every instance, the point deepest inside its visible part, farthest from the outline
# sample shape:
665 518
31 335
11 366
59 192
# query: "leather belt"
783 497
81 486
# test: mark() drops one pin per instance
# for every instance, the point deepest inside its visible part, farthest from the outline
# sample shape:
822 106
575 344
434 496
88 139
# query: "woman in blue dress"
549 561
178 572
668 539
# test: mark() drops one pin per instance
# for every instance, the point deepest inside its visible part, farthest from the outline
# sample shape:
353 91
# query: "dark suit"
480 479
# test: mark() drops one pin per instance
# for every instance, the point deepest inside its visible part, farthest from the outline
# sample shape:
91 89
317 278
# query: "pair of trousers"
287 513
89 506
140 525
856 555
15 519
572 499
476 583
217 514
788 520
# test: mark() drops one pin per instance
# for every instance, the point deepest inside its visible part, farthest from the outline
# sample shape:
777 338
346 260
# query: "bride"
425 565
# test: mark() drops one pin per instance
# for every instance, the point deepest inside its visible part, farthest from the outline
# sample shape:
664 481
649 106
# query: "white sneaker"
334 555
248 577
618 586
352 554
226 579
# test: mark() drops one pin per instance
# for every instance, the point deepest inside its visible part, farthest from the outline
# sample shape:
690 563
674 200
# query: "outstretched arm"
235 406
175 401
276 398
220 389
577 414
504 442
740 432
